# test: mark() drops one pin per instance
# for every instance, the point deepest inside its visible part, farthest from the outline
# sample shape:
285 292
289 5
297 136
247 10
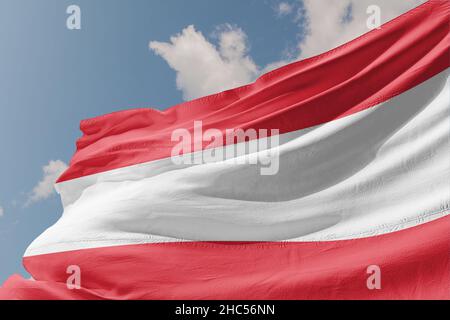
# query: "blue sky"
52 77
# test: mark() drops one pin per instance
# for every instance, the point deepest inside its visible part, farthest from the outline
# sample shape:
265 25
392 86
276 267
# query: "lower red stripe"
414 264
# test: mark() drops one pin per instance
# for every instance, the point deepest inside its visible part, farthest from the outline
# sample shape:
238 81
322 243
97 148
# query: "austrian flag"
327 178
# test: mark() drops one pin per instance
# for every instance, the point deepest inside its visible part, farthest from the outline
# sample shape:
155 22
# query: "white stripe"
373 172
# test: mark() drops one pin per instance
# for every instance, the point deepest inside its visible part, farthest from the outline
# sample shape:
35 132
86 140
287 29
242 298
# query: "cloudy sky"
133 54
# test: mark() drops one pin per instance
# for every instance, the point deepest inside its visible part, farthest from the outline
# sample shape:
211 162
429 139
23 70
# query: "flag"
327 178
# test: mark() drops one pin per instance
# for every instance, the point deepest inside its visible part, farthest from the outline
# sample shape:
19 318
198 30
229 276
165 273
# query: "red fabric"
358 75
414 264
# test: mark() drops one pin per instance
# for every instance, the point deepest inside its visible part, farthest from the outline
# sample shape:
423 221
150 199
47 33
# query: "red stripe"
414 265
358 75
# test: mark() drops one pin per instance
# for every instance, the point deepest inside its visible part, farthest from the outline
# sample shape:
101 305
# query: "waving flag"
301 185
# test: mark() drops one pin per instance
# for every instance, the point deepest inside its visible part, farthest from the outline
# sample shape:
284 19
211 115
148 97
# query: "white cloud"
326 24
2 212
284 9
203 68
45 187
328 28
